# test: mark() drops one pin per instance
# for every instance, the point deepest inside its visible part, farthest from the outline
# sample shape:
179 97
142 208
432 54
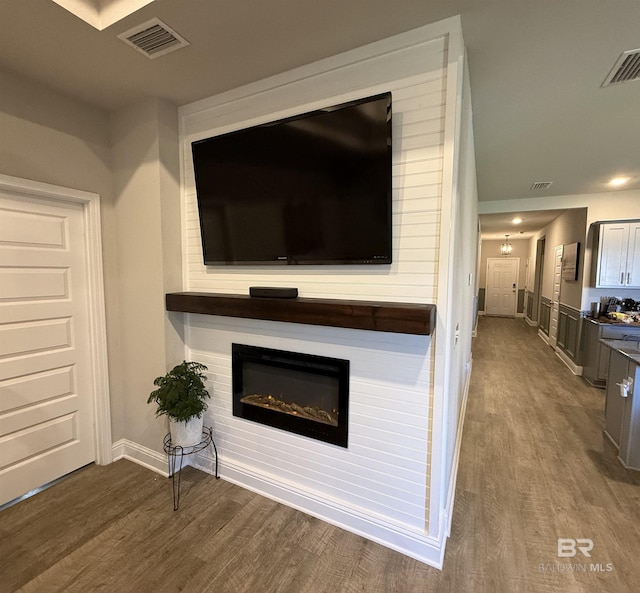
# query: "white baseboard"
544 337
125 449
405 539
448 510
573 367
531 322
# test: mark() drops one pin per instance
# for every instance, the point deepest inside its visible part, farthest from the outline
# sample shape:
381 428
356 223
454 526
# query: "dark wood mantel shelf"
403 318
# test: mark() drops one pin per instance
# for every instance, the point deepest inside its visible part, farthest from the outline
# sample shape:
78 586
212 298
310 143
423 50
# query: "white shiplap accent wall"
378 487
418 124
389 384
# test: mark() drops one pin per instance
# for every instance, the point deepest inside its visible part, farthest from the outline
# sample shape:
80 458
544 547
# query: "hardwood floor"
534 467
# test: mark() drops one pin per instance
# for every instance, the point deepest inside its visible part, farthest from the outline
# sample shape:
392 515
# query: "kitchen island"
622 407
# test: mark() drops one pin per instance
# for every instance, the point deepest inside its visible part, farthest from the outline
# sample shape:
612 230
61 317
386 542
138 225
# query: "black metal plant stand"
175 452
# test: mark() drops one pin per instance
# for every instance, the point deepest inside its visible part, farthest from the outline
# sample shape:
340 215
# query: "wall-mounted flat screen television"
310 189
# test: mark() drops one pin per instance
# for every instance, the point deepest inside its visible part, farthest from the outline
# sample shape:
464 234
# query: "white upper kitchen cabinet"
619 255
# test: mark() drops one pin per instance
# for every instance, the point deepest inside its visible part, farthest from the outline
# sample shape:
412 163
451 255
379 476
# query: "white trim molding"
573 367
157 462
445 332
448 510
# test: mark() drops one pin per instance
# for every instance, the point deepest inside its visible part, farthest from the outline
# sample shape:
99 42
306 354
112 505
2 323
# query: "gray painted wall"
131 160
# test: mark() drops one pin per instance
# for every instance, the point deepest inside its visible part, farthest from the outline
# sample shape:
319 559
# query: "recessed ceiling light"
616 181
517 220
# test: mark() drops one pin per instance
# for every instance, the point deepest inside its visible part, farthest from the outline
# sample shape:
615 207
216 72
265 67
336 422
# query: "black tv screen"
310 189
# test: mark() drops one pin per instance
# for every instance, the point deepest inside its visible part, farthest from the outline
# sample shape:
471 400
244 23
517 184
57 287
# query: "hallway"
534 468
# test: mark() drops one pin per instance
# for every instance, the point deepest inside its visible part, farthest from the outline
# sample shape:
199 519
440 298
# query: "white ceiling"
536 68
496 226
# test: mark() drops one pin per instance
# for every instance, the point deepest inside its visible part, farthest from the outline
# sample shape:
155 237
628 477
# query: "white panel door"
555 297
502 286
46 404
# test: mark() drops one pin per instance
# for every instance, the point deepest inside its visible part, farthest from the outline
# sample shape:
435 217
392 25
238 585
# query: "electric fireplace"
301 393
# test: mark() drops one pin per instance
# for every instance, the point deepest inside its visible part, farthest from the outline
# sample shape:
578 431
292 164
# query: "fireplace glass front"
301 393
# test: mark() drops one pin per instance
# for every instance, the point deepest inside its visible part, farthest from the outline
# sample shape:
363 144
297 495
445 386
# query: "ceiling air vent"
153 39
540 185
625 69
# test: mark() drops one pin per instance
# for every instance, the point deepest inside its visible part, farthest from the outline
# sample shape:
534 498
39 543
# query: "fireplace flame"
308 412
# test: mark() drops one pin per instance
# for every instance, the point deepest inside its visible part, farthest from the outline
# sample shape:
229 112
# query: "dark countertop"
628 348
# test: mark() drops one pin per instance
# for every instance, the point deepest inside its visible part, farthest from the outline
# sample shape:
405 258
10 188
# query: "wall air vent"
153 39
626 68
540 185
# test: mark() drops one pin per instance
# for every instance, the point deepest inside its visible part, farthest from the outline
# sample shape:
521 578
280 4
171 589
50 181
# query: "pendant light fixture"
506 248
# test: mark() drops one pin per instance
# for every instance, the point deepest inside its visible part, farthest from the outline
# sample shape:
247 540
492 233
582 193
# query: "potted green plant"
181 396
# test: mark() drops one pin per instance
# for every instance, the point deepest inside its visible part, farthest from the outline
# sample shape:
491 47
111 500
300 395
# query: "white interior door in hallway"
47 382
502 286
555 297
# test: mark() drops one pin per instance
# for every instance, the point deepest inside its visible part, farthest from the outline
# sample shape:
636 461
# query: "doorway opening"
537 283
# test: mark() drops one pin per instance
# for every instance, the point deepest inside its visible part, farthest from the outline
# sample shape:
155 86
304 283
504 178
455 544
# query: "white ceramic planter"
186 434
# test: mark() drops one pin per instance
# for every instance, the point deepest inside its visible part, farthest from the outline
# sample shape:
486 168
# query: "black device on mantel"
274 292
310 189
